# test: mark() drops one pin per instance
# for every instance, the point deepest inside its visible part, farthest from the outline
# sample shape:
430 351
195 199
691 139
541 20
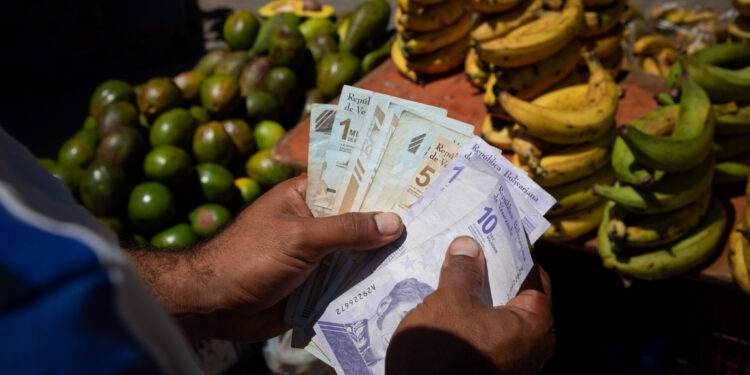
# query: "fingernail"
465 246
388 223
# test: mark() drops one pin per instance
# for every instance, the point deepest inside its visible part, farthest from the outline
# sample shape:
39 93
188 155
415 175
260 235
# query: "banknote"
358 324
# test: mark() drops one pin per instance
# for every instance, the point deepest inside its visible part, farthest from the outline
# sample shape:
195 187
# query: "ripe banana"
432 41
573 162
477 73
666 58
672 191
658 122
724 54
575 224
490 6
742 6
660 229
649 65
496 133
602 20
442 60
529 81
738 249
690 140
577 195
501 24
594 118
651 45
605 45
397 55
432 18
667 260
721 84
535 40
734 123
733 170
739 29
729 146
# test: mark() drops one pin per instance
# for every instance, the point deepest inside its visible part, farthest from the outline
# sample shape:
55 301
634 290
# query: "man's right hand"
453 331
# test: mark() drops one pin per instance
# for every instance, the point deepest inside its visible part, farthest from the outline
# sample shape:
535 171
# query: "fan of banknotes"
375 152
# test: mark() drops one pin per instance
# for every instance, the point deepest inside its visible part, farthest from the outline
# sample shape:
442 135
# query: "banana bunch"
433 37
739 28
656 54
660 219
739 248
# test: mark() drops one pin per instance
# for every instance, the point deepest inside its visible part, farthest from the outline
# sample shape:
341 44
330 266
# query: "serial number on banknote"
359 297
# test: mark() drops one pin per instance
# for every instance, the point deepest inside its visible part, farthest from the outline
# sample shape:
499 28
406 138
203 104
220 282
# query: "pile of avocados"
169 162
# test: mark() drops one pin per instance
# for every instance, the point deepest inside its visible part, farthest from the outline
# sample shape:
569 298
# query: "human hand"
235 285
453 331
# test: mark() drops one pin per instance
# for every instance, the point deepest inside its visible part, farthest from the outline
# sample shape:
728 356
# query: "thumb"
463 266
352 231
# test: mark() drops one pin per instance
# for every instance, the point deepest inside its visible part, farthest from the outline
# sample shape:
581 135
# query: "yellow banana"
535 40
739 29
590 121
573 162
742 6
651 45
649 65
433 18
497 26
575 224
442 60
433 41
490 99
400 61
577 195
602 20
490 6
666 58
738 247
476 73
605 45
496 132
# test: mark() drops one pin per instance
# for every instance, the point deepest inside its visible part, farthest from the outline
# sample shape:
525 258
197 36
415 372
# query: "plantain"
670 192
442 60
734 123
671 259
724 54
721 84
477 72
655 230
690 140
574 224
535 40
657 122
497 26
733 170
432 41
397 55
600 21
594 118
577 195
496 132
431 18
490 6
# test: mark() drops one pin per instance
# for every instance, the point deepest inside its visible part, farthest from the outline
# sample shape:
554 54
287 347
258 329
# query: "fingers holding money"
351 231
463 267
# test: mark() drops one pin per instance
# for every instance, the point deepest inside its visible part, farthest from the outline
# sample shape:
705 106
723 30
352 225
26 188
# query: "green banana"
626 167
667 260
734 123
734 170
655 230
664 99
690 140
721 84
672 191
725 54
729 146
577 195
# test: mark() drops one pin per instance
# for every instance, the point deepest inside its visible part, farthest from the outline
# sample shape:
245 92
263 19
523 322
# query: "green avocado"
220 95
317 26
217 183
249 189
251 78
79 150
260 105
174 127
199 114
267 133
282 83
263 41
212 144
70 175
111 91
232 64
321 45
207 219
241 136
168 165
123 147
151 206
157 96
335 71
208 62
262 168
174 238
115 115
366 24
240 30
190 84
103 188
287 47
